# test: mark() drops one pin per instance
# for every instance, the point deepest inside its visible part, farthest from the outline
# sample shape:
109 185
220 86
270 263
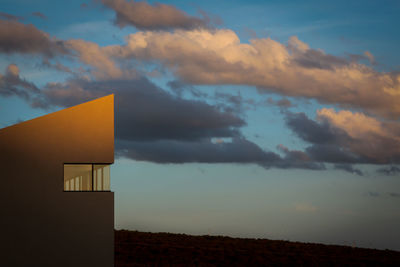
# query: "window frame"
92 175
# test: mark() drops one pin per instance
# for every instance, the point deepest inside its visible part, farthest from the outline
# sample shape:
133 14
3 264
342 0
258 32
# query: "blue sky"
272 119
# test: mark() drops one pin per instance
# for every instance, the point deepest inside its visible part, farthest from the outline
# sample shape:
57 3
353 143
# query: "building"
55 203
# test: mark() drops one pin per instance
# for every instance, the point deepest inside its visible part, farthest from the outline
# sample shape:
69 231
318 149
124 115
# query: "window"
86 177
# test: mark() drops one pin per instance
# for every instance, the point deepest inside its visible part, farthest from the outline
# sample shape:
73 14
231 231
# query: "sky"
262 119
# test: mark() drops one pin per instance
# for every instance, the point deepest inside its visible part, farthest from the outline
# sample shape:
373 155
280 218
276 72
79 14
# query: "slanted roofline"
82 133
107 98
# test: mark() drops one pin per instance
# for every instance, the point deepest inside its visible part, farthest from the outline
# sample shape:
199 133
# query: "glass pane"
94 179
77 177
98 180
102 177
106 175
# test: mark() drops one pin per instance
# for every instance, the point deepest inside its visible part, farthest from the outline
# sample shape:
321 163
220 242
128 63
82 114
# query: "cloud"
218 57
347 137
230 102
390 171
305 57
12 84
348 168
92 54
283 103
7 16
58 66
239 150
158 16
389 194
333 153
16 37
179 88
370 57
39 15
312 131
298 159
378 141
394 194
373 194
204 151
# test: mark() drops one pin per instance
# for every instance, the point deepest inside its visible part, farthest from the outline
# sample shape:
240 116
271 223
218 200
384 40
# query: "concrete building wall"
40 224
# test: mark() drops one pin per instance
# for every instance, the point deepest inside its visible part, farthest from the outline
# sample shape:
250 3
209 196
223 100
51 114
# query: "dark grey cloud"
367 56
16 37
226 101
7 16
158 16
239 150
235 100
283 103
334 145
318 59
306 57
230 102
179 87
333 153
39 15
330 144
12 84
373 194
394 194
57 65
389 194
312 131
298 159
390 171
205 151
348 168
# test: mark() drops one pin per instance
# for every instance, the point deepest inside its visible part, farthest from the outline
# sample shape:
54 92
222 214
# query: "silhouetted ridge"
134 248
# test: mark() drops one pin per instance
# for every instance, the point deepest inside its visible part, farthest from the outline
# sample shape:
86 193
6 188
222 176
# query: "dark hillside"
134 248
